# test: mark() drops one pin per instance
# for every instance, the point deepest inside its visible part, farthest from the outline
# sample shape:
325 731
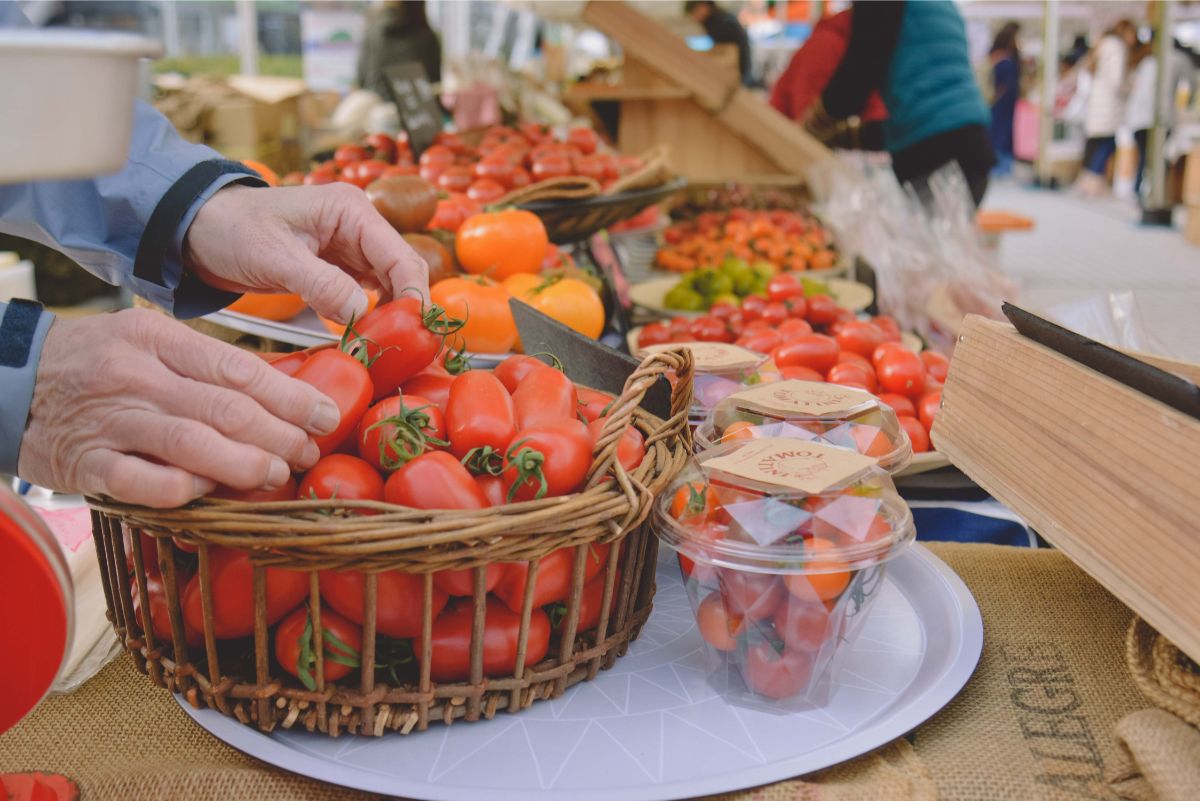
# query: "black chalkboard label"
420 113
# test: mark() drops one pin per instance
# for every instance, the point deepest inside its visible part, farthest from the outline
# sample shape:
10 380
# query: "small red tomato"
341 643
548 460
773 674
903 372
916 433
455 178
803 625
544 395
884 349
709 329
551 166
450 643
493 488
722 310
854 358
435 480
848 374
479 414
751 595
342 477
344 379
798 307
437 154
588 167
520 178
936 364
889 327
325 173
859 337
718 627
775 313
584 139
654 334
462 582
398 429
784 287
485 191
901 405
631 448
513 370
822 309
815 350
794 327
347 155
800 373
760 341
381 146
398 599
593 403
432 383
927 408
752 307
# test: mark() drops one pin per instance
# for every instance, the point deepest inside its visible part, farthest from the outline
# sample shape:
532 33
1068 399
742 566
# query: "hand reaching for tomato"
325 243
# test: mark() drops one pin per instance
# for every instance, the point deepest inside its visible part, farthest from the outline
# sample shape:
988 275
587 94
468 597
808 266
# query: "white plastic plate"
652 727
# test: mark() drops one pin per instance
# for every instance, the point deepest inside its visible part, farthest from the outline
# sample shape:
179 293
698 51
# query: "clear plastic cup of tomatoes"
812 411
783 545
719 370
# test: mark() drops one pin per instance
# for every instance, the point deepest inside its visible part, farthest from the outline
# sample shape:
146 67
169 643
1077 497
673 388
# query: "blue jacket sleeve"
23 327
128 228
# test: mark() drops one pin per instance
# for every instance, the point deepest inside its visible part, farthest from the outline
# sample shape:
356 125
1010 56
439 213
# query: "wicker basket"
241 678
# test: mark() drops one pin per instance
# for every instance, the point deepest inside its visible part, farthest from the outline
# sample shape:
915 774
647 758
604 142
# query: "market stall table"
1035 721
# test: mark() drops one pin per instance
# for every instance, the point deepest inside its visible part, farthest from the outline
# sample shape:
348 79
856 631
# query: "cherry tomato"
432 383
718 627
285 492
553 582
513 370
322 174
783 287
495 167
654 334
902 371
160 617
591 603
592 403
401 338
231 579
927 408
494 488
752 307
435 480
479 414
899 403
751 595
631 448
859 337
814 350
288 363
547 460
347 383
544 396
381 146
775 313
848 374
709 329
889 327
800 373
854 358
822 309
760 341
346 155
344 478
797 307
455 178
520 178
793 327
588 167
485 191
398 429
363 173
398 599
773 674
450 642
551 166
693 500
936 364
823 586
883 350
341 641
584 139
722 310
804 626
918 435
437 155
462 582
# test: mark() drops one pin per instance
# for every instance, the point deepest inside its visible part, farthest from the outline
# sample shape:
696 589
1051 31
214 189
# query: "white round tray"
652 727
650 294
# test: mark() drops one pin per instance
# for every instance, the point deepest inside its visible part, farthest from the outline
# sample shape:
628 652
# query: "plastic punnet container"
783 545
720 370
808 410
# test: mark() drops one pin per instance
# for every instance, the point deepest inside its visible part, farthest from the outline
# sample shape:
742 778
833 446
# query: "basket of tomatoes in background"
467 543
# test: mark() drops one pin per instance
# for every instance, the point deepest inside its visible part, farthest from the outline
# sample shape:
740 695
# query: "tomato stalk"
456 361
484 460
407 438
335 651
528 463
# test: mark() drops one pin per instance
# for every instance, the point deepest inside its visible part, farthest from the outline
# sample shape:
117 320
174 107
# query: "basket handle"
567 187
654 161
655 365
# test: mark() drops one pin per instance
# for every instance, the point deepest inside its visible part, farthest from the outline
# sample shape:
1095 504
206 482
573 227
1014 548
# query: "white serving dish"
66 101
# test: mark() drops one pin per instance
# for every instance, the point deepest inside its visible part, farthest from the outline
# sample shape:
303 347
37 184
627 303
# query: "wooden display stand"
694 103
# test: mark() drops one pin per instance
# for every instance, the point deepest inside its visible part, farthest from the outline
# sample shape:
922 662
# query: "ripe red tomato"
593 403
496 167
494 488
822 309
430 174
718 627
381 146
800 373
450 642
763 341
325 173
849 374
398 429
437 155
160 617
346 155
231 579
553 582
544 396
814 350
654 334
455 178
485 191
859 337
341 641
548 460
398 599
927 408
584 139
435 480
775 313
462 582
479 414
346 382
631 448
899 403
285 492
401 339
397 170
591 603
520 178
709 329
903 372
883 350
752 307
551 166
288 363
751 595
722 310
861 361
803 625
793 327
889 327
776 675
784 287
917 433
364 173
432 383
936 364
342 477
513 370
589 167
451 141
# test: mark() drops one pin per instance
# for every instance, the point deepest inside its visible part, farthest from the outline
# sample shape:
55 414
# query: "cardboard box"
1102 471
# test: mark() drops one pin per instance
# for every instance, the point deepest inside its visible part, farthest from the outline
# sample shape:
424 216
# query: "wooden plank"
652 43
781 139
1105 473
588 93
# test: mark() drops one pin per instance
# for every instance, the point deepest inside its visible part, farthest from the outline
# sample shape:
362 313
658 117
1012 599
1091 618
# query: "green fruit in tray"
684 298
710 283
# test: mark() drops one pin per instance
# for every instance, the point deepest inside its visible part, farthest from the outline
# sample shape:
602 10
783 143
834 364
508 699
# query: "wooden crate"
1105 473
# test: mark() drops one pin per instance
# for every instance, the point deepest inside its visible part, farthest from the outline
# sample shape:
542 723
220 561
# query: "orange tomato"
739 430
502 243
483 303
269 307
693 499
822 586
916 433
268 175
567 300
337 329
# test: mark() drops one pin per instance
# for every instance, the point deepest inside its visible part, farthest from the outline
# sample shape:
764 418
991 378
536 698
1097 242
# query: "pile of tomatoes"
788 240
417 431
811 338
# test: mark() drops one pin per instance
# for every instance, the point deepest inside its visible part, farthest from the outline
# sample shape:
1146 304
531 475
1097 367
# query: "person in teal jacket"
915 54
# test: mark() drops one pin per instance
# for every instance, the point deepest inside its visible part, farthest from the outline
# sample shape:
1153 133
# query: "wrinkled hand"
141 408
320 242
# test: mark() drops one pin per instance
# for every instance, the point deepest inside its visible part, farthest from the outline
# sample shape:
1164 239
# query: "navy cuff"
23 328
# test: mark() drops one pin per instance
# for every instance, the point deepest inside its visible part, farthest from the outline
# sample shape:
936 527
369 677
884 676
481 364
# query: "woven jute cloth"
1035 723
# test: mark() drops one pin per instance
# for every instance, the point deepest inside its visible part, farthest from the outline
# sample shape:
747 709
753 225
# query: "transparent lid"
844 417
783 506
720 370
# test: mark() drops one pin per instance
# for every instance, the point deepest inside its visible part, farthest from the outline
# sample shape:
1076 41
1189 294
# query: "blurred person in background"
915 55
808 73
397 33
1104 111
1005 58
1139 113
723 28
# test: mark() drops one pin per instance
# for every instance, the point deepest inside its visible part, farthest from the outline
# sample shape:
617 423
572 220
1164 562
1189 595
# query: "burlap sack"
1034 722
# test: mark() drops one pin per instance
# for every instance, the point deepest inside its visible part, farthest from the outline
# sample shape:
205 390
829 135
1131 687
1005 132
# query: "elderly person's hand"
139 407
286 239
